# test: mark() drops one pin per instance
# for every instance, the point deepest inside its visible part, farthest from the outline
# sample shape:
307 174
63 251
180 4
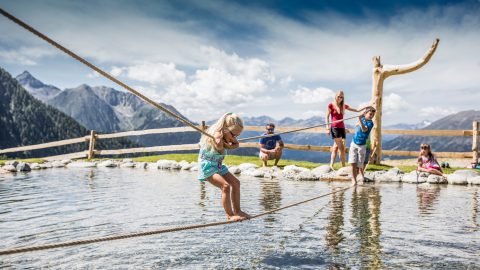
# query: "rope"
106 75
160 231
295 130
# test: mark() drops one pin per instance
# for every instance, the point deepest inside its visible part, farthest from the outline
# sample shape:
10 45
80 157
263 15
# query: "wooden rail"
91 152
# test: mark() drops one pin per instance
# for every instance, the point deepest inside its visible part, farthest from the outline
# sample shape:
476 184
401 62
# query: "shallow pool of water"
375 226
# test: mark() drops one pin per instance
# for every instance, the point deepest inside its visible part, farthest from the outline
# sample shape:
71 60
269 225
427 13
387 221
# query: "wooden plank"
421 132
76 155
164 148
144 132
44 145
437 154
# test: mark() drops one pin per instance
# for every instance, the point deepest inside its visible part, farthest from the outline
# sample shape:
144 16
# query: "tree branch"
389 70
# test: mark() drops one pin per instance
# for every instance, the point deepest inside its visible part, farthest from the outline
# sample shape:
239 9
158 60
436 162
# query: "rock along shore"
292 172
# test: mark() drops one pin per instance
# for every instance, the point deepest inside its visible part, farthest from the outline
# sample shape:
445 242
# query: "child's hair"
230 121
340 105
370 109
429 153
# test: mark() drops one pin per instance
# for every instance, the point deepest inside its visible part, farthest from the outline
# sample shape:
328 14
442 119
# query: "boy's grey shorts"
356 154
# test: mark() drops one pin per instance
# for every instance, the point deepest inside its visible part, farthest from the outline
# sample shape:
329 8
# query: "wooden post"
380 73
91 145
203 127
475 143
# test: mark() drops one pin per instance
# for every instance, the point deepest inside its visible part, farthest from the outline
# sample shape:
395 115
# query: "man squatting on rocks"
270 147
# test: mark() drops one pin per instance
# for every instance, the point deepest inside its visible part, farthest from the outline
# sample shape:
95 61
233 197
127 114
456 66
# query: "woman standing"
336 110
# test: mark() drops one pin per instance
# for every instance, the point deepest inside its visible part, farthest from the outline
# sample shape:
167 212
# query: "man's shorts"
356 154
270 156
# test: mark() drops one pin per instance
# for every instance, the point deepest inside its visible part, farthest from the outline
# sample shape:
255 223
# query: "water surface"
377 226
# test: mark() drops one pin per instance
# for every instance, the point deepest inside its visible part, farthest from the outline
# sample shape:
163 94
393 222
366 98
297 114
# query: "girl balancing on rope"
210 158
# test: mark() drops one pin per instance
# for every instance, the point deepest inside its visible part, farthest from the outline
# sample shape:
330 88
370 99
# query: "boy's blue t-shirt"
360 137
270 142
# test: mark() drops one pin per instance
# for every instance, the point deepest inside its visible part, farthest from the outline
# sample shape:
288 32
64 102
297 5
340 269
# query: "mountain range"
25 120
107 110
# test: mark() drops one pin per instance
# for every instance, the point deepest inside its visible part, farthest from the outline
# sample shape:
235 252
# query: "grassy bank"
237 160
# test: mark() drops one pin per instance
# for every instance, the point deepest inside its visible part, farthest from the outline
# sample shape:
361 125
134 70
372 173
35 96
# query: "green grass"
26 160
237 160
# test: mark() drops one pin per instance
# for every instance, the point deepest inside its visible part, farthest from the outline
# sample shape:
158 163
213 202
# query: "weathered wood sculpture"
380 73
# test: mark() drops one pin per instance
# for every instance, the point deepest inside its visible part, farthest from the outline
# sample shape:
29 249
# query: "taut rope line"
295 130
108 76
175 229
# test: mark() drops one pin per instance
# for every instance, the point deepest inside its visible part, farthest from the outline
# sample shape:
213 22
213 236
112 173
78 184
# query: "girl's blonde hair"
230 121
341 105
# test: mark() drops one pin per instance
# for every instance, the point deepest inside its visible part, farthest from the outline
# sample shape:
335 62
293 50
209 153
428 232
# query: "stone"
127 160
141 165
107 164
79 164
57 164
412 177
392 175
295 168
9 168
345 171
258 173
474 180
35 166
457 179
306 176
246 166
14 163
436 179
234 170
23 167
66 161
152 165
194 167
467 173
290 174
321 170
127 165
164 164
187 166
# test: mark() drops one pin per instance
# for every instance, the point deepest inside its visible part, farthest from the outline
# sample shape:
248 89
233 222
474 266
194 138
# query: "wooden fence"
93 137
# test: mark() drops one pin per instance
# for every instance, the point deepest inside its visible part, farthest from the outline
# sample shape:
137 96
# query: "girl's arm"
419 161
327 118
218 141
234 144
356 110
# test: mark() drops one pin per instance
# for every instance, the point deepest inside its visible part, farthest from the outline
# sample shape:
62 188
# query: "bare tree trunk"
380 73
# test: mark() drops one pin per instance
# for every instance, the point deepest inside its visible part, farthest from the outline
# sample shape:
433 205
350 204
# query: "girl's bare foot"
354 182
235 218
243 214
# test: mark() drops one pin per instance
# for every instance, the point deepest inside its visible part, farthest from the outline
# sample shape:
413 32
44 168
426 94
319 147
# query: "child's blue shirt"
360 137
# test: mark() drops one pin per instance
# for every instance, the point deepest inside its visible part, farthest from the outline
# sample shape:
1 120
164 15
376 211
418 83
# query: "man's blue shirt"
270 142
360 137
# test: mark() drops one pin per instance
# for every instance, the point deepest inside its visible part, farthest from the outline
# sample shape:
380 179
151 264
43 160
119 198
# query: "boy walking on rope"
210 158
356 155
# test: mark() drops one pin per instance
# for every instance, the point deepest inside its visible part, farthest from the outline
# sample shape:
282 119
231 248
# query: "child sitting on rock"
427 161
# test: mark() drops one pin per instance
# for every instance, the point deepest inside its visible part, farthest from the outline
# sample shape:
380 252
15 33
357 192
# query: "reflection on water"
427 196
271 196
365 219
383 226
474 219
335 221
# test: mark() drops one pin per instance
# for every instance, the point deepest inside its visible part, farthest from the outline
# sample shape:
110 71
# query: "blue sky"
275 58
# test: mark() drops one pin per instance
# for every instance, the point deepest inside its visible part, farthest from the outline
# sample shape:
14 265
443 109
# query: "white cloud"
154 73
394 103
305 95
312 113
437 112
27 56
229 82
